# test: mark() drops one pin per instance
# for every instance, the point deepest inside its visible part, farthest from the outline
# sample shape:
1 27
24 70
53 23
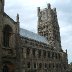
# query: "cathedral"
24 51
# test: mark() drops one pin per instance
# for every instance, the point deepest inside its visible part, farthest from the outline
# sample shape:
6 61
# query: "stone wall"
39 57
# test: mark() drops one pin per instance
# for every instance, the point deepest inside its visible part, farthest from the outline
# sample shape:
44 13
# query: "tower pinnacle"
17 18
49 6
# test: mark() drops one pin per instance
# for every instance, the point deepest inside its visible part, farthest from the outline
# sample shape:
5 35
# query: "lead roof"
34 36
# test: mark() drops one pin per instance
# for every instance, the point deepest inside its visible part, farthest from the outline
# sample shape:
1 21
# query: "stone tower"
1 5
1 27
1 11
1 19
48 26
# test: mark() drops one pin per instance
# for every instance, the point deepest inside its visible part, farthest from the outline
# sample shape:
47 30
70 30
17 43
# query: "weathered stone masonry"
25 51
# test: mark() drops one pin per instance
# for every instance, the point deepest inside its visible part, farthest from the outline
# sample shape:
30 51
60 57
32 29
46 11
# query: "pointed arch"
7 31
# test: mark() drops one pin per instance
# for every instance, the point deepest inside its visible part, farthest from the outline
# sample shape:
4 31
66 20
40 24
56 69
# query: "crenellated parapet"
47 14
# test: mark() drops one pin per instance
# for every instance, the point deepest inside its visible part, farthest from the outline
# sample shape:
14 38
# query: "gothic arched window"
6 35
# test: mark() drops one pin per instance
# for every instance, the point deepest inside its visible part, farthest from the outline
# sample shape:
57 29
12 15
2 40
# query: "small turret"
38 11
17 18
38 14
54 9
66 51
17 23
49 6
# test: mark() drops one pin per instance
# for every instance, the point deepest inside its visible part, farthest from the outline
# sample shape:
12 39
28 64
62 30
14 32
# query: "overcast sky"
27 10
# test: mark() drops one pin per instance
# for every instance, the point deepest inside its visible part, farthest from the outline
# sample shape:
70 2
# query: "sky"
27 10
